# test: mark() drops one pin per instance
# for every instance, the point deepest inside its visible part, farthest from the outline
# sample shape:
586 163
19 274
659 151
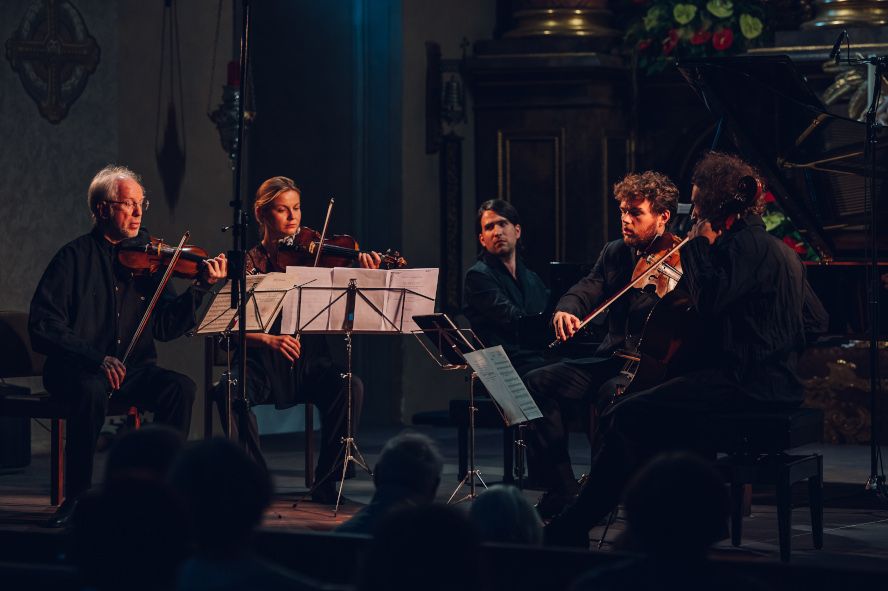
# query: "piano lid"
812 160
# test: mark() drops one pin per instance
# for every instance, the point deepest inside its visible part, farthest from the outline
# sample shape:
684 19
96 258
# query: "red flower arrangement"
701 38
692 28
777 224
722 39
670 42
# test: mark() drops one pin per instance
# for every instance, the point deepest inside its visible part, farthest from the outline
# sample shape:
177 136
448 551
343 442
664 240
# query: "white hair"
103 186
410 460
503 514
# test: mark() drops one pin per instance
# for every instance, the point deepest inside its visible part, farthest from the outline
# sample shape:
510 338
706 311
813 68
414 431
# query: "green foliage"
664 30
777 224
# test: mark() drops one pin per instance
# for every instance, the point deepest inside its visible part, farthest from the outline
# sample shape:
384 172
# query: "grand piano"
814 164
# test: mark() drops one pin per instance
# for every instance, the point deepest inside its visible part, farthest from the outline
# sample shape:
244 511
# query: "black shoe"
62 516
552 503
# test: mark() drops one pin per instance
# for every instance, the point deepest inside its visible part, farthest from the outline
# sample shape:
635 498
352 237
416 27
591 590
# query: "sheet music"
269 297
263 304
311 301
422 281
366 318
503 383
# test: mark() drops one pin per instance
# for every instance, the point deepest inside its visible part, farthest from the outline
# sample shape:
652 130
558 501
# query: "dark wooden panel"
615 163
530 175
541 123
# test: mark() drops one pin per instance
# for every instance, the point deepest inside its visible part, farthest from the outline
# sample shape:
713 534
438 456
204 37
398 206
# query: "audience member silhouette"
130 534
676 508
407 473
133 513
225 494
502 514
148 452
430 547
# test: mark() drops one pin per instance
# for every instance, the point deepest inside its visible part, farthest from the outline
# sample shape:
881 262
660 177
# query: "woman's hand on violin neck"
566 325
287 345
703 228
215 269
370 260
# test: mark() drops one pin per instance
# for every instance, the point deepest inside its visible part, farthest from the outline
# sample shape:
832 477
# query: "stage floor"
855 522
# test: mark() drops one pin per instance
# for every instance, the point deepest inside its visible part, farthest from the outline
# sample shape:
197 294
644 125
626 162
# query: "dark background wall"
326 82
45 168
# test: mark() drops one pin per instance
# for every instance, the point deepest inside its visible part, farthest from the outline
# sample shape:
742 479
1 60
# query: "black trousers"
168 394
563 391
320 384
641 425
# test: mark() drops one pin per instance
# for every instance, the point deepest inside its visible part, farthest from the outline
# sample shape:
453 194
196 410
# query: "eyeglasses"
130 204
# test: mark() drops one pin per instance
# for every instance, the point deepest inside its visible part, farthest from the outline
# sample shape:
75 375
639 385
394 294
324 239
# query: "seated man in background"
407 473
499 289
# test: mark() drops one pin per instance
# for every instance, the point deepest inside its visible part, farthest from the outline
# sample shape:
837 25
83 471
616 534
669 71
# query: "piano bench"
756 445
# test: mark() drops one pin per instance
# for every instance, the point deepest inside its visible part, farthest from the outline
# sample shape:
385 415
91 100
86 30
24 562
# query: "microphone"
837 46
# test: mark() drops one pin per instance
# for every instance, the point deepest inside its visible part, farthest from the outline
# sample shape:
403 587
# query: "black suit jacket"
626 316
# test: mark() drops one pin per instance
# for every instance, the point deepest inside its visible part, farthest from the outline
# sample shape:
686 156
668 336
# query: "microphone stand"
876 481
237 268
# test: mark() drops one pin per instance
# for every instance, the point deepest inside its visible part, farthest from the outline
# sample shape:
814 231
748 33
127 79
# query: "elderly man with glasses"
84 314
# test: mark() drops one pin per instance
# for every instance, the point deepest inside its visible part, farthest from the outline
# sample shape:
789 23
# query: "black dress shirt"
494 302
750 291
87 306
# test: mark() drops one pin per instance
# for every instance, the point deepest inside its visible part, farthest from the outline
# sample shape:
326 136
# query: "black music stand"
447 344
349 452
219 319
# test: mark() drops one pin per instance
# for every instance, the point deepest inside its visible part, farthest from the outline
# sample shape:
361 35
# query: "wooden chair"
18 360
215 356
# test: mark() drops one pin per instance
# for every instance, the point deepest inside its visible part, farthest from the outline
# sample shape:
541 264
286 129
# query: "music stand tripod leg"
349 451
473 471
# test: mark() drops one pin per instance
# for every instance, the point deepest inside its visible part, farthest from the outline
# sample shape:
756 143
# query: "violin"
147 258
654 269
660 274
339 250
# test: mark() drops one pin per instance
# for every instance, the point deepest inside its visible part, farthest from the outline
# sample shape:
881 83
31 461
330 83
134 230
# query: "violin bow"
619 294
324 232
318 254
157 292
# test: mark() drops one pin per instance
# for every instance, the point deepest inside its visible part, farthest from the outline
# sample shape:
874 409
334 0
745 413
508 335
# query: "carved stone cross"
54 55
